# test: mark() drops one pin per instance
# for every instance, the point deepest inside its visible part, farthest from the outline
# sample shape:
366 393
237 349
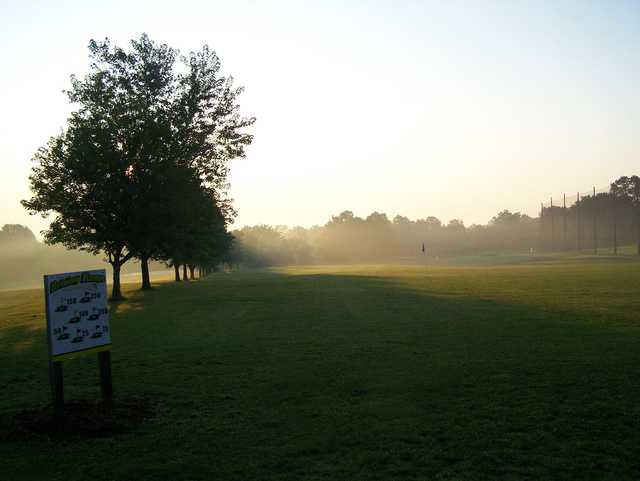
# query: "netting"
595 220
567 200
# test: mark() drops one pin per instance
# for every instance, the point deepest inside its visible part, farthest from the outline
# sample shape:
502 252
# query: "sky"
456 109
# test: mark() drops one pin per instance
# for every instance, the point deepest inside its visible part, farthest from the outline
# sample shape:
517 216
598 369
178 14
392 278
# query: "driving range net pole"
595 225
578 223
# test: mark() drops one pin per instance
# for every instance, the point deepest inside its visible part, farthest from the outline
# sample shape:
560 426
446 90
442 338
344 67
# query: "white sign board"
77 314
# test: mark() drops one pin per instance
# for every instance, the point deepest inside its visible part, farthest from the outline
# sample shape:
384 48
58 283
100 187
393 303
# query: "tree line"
140 171
376 238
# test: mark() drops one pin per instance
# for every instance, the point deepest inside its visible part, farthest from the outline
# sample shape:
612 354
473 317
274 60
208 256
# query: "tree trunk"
192 270
176 268
116 292
184 272
116 259
144 267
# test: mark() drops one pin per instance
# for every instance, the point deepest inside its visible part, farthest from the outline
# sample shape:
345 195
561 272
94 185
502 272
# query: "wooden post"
57 388
106 386
56 379
578 223
595 226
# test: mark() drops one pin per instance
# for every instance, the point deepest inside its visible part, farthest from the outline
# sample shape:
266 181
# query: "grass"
523 371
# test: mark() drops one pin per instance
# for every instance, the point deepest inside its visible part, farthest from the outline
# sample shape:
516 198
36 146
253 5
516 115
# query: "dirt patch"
82 420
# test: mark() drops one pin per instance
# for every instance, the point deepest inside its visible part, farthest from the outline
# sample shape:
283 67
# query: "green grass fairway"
527 371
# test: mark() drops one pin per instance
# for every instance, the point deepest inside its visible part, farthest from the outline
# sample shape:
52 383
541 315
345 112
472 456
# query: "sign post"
77 324
106 387
57 387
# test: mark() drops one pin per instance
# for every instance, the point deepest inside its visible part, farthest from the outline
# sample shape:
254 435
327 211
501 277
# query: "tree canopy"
151 131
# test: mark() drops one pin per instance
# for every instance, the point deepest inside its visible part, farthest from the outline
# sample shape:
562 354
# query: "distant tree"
431 223
261 246
456 225
377 218
232 255
401 220
345 217
300 250
14 233
628 188
506 218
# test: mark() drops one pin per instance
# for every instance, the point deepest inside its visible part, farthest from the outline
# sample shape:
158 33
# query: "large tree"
139 121
83 178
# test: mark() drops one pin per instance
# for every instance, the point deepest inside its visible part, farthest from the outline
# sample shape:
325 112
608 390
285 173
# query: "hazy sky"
446 108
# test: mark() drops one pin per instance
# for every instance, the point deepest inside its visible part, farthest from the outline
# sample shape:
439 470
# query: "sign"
77 314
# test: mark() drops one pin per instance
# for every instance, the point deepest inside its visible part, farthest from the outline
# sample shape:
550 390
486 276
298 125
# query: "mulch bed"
82 420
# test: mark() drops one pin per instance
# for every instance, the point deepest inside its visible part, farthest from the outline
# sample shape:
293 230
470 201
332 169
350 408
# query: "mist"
24 259
602 223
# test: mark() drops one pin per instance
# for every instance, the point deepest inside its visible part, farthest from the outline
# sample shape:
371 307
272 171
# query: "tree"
195 224
139 121
95 176
262 245
299 247
456 226
16 233
628 188
506 218
82 177
208 127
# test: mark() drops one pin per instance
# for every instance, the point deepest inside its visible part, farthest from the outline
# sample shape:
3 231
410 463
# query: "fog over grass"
24 259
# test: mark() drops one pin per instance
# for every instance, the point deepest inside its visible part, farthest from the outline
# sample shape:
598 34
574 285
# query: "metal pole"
553 236
578 223
595 226
541 246
615 221
564 221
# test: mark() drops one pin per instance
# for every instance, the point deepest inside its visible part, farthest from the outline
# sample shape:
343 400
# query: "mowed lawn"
528 371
